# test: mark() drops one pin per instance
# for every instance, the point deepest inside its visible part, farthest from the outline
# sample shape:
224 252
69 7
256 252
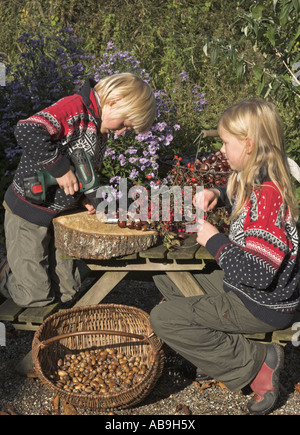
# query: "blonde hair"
132 97
259 120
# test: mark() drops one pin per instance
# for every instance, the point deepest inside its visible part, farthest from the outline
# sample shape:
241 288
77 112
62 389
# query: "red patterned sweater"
260 258
47 139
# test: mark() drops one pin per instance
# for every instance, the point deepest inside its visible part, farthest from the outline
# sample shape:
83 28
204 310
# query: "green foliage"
265 26
234 49
263 47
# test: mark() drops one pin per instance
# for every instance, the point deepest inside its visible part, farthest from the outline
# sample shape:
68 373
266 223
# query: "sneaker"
266 383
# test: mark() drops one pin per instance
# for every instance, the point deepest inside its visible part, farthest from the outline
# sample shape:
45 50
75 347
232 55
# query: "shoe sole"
271 396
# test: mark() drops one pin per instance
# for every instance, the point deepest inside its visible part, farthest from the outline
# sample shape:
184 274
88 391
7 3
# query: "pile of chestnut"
207 171
99 371
134 224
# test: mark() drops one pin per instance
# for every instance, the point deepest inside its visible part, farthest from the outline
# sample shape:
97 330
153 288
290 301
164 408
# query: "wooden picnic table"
101 244
109 271
179 265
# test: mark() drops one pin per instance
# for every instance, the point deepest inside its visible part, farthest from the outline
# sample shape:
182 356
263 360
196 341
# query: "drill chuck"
92 197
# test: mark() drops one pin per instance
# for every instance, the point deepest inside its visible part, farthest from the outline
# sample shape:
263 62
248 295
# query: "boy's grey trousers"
207 329
38 273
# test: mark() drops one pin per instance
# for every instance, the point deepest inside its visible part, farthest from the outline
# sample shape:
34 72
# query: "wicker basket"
122 327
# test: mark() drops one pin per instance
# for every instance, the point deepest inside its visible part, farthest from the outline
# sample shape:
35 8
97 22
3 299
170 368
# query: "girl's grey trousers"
208 329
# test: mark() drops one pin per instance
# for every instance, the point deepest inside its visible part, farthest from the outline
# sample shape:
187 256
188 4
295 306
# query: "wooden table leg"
186 283
101 288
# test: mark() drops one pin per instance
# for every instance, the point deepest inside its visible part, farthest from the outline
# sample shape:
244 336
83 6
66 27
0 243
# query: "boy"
35 274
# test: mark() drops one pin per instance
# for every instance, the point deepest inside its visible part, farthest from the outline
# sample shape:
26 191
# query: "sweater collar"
87 94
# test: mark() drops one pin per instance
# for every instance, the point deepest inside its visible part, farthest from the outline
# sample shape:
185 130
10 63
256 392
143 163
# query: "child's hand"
90 208
205 232
206 200
68 182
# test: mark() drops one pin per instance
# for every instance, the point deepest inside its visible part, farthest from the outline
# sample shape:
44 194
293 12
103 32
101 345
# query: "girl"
255 289
36 273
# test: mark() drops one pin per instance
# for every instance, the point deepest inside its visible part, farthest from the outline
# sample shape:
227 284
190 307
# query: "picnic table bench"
108 273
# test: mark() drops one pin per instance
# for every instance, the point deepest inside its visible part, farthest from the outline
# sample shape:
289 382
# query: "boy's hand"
90 208
68 182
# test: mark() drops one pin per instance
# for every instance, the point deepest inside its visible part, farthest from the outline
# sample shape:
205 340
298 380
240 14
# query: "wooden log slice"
83 236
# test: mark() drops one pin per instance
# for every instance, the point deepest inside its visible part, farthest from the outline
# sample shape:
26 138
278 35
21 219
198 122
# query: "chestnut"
130 224
204 167
122 224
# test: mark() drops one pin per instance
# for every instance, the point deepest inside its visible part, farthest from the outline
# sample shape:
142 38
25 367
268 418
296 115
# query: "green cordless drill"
36 186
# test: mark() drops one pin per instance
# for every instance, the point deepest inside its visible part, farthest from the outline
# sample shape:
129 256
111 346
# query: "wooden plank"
127 257
9 311
157 252
186 283
37 315
150 266
286 334
101 288
203 254
258 336
187 250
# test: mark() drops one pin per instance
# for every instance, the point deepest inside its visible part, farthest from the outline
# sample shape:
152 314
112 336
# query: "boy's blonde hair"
132 97
259 120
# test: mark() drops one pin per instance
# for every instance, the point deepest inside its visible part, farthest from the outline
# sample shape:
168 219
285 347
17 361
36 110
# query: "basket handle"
45 343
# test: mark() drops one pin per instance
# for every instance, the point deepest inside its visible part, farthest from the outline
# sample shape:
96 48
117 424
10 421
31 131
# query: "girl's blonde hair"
132 97
259 120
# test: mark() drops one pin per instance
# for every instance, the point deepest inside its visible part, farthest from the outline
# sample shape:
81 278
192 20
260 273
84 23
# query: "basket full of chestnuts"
98 357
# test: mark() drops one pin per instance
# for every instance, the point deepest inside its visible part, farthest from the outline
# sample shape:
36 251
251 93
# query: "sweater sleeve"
223 198
257 244
39 134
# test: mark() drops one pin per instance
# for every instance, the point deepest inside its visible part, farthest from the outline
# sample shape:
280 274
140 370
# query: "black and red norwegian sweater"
260 258
47 139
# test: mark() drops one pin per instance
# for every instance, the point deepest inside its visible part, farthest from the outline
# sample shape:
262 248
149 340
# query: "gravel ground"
175 394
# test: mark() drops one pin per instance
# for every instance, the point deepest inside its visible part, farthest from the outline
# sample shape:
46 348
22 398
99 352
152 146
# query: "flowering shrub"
114 61
48 70
137 156
129 155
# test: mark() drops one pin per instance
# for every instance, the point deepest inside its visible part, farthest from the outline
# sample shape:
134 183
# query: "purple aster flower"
134 173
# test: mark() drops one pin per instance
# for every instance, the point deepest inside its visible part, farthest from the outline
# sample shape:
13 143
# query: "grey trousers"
38 273
207 330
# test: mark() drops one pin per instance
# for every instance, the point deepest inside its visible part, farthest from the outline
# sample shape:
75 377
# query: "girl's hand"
68 182
206 200
205 232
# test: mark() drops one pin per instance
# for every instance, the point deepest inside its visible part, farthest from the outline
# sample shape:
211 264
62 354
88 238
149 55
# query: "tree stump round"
83 236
